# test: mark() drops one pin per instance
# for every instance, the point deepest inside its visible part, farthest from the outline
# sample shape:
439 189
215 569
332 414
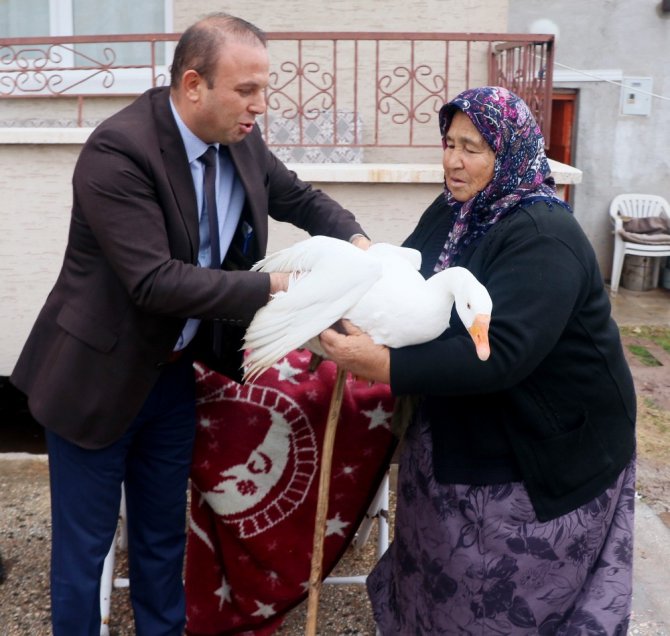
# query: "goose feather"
380 290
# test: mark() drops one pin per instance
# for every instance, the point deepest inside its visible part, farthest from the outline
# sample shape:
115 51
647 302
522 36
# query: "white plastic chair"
378 510
634 206
107 581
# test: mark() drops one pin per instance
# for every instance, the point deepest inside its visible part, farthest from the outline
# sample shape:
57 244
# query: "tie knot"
209 156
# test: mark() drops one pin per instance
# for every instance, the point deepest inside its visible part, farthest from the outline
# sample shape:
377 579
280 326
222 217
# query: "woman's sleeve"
535 283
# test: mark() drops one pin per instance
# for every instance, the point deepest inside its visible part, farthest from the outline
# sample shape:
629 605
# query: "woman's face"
468 160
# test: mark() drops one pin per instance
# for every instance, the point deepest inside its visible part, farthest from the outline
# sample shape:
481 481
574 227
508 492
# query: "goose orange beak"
479 332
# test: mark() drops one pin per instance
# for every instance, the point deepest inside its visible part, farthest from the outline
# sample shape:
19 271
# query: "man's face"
227 111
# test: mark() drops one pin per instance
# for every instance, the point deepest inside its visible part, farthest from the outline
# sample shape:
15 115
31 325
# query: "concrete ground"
651 591
635 308
651 597
651 601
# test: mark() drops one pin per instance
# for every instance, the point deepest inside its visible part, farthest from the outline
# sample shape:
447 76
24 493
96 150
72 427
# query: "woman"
516 481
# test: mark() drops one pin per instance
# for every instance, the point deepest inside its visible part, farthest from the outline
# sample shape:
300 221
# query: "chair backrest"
638 206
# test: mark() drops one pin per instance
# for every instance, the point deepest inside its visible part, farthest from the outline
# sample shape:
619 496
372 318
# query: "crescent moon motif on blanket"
273 478
246 484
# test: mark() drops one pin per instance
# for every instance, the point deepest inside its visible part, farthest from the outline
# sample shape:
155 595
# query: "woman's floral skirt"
475 559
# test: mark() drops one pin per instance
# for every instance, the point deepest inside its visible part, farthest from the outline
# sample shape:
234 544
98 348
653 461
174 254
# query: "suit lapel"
252 176
177 168
179 174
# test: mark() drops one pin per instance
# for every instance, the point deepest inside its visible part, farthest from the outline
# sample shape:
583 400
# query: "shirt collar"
195 146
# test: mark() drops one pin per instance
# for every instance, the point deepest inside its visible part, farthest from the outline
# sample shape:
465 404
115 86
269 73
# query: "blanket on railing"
254 484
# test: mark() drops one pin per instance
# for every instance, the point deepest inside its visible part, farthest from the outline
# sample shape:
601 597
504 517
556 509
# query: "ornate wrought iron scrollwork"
36 69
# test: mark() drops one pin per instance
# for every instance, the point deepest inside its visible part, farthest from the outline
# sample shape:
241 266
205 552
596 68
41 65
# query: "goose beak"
479 332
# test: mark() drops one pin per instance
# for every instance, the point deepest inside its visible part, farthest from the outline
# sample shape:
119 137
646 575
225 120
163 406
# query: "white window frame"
61 17
61 22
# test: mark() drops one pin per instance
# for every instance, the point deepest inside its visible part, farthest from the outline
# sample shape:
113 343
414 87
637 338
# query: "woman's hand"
355 351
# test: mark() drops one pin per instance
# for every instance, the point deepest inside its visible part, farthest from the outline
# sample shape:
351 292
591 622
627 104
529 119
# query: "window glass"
24 18
121 16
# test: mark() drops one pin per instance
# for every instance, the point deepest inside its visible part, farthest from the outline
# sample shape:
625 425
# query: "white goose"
380 290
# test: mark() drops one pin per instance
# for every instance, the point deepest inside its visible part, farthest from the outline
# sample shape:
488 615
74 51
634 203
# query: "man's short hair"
200 45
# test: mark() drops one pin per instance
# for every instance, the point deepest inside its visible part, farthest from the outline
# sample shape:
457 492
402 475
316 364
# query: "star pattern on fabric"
264 609
378 417
304 356
349 471
272 546
273 579
301 397
339 496
205 422
287 371
336 526
223 592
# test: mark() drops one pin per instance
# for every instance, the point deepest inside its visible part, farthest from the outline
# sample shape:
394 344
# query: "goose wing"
396 310
389 253
304 255
331 277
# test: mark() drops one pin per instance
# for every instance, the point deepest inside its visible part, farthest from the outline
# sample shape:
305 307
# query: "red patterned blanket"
254 486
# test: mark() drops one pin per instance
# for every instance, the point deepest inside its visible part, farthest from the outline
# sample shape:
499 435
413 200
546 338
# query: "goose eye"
469 306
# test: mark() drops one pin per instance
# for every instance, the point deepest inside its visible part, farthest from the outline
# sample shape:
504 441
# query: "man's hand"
278 282
356 352
361 241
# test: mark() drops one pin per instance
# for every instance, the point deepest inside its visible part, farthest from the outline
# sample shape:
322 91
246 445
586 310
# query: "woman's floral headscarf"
521 171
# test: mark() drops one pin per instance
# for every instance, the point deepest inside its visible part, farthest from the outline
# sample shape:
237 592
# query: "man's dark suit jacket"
129 279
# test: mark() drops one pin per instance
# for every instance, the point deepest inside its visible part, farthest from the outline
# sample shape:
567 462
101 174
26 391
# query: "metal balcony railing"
332 95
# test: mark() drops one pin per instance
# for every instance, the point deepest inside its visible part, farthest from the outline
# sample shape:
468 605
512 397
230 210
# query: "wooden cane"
322 502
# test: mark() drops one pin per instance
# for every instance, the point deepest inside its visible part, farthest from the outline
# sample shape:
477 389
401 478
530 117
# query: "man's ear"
192 84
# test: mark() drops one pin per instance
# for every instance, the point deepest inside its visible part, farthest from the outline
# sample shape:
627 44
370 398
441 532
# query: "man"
108 365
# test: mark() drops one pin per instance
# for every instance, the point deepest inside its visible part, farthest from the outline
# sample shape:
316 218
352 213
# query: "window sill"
311 172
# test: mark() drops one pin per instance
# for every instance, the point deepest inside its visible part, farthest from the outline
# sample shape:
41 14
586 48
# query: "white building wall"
36 171
35 185
477 16
617 152
35 212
